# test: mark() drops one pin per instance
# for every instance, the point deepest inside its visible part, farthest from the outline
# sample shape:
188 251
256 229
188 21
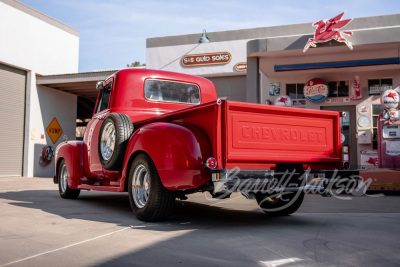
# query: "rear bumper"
268 181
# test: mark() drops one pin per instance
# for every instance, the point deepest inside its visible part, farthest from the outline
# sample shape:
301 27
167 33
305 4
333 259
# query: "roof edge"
41 16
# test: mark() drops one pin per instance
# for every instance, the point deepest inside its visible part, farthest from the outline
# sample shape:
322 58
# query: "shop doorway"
348 126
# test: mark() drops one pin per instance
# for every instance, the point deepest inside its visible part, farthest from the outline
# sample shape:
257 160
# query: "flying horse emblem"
327 30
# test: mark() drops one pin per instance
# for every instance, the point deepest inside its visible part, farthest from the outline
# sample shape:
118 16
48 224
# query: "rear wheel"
149 199
280 203
63 188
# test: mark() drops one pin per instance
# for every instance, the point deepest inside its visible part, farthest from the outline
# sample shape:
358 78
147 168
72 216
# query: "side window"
104 98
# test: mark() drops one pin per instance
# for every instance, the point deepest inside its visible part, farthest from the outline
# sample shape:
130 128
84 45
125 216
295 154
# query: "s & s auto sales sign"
206 59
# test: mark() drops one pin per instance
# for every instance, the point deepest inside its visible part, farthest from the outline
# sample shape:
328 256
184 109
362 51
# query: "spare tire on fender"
114 135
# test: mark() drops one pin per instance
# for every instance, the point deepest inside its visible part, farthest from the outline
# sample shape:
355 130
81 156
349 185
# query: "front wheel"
280 203
63 188
149 199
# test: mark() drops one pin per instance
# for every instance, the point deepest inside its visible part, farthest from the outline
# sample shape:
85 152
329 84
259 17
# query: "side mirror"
100 85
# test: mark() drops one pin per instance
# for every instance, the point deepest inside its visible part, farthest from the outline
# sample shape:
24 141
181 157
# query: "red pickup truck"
162 135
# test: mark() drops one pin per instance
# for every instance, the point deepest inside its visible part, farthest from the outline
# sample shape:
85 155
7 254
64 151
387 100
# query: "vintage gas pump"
389 131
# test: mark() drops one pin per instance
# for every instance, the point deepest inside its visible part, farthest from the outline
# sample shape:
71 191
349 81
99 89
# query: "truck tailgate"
271 134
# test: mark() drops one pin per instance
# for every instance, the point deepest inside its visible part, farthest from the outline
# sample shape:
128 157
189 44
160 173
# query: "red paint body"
179 138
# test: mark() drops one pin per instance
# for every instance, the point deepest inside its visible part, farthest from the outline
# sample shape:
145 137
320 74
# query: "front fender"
178 152
72 153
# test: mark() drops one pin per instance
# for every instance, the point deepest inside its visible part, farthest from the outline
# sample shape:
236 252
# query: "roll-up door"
12 110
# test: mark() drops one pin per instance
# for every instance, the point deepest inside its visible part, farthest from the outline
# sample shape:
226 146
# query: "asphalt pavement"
38 228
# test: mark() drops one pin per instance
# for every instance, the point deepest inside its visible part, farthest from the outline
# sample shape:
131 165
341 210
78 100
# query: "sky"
113 33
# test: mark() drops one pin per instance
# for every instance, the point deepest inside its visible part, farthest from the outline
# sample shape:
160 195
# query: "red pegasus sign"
373 161
329 30
392 95
283 101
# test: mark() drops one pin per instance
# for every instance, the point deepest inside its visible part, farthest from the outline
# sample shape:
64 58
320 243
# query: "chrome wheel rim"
107 141
140 186
63 178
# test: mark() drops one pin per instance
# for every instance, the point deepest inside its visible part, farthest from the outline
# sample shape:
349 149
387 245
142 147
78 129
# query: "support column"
253 80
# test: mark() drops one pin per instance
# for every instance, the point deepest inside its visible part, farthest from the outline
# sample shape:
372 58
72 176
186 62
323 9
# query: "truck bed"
253 135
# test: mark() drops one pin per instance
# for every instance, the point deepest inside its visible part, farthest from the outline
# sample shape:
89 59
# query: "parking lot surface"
38 228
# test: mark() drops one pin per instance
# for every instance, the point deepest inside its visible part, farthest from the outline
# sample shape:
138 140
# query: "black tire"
63 188
280 204
121 128
150 201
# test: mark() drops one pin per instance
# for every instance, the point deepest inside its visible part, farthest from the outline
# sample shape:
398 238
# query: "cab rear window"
171 91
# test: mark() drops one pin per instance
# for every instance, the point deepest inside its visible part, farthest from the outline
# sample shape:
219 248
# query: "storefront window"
378 86
376 110
295 90
338 89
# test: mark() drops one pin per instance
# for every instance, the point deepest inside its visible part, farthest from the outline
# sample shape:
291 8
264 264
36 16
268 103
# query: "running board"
100 188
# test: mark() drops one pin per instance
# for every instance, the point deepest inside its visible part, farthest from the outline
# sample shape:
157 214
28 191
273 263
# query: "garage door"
12 110
231 88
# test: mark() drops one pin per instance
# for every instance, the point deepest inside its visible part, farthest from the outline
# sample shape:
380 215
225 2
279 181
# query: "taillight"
211 163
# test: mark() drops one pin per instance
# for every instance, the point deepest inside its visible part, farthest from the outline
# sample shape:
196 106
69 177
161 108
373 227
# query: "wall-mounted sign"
274 88
364 137
299 102
364 121
338 100
390 99
316 90
363 110
33 134
356 89
206 59
327 30
369 159
283 101
54 130
241 66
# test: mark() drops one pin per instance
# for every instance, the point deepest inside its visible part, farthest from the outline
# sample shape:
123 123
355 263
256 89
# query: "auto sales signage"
316 90
206 59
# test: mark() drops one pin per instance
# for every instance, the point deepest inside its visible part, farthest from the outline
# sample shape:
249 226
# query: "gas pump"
389 131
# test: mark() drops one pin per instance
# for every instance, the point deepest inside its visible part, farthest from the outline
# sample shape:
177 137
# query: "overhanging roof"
81 84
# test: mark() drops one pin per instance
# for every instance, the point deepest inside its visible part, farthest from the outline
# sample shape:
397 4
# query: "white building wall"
169 57
49 104
40 45
33 44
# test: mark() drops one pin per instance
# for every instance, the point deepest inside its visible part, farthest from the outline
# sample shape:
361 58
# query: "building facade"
33 44
266 63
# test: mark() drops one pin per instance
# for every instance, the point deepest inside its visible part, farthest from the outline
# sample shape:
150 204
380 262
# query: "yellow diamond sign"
54 130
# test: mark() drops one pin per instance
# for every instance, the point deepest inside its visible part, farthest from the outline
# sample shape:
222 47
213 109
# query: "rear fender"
72 153
178 152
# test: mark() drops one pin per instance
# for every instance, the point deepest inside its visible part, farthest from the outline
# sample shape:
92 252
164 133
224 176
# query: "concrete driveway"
38 228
